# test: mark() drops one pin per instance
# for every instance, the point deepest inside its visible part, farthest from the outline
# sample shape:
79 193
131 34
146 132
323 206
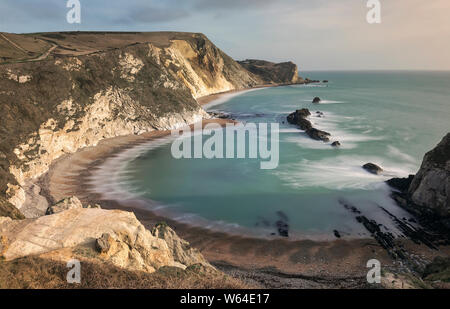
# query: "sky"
315 34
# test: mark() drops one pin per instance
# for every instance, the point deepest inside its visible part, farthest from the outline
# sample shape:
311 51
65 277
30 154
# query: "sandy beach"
266 262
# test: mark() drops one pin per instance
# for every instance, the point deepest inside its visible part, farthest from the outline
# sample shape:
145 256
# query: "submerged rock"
318 134
283 228
337 234
316 100
336 144
372 168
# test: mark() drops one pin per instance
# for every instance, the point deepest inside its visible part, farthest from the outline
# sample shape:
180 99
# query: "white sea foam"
112 179
226 97
396 153
340 172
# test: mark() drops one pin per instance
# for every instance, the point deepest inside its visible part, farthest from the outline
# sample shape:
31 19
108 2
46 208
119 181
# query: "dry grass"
38 273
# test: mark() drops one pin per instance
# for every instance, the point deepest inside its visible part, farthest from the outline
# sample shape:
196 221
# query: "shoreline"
310 263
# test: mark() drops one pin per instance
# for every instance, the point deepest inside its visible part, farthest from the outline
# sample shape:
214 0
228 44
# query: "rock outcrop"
273 73
120 239
299 118
97 85
182 251
316 100
68 203
430 187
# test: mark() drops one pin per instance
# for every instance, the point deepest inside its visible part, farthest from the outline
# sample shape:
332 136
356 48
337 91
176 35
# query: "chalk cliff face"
430 187
92 86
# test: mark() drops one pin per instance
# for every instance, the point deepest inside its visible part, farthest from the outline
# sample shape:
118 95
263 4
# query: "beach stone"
316 100
372 168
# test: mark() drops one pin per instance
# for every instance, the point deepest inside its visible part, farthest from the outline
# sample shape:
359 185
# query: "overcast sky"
315 34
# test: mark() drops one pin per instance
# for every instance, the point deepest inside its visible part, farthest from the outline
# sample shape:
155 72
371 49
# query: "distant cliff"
63 91
273 73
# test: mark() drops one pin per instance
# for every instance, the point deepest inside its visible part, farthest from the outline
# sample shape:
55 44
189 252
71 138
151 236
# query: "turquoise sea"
388 118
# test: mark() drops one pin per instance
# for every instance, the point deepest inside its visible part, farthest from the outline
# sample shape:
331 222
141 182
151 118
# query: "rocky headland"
427 193
62 92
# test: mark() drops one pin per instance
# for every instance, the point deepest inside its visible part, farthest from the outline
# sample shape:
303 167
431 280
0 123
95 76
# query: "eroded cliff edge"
427 194
65 91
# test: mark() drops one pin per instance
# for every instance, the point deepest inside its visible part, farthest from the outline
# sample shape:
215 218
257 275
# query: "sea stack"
316 100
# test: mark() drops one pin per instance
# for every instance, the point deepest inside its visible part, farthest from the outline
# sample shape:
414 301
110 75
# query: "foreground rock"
372 168
67 203
118 237
426 194
430 187
299 118
181 250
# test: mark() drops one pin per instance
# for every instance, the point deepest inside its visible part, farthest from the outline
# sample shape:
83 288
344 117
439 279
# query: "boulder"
68 203
336 144
318 134
117 237
316 100
181 249
372 168
430 187
65 204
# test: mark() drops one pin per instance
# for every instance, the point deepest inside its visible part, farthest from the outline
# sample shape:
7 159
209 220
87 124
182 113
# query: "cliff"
430 187
273 73
60 92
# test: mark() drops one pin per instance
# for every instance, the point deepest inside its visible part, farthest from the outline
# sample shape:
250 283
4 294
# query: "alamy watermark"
374 14
374 274
74 274
250 140
74 14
